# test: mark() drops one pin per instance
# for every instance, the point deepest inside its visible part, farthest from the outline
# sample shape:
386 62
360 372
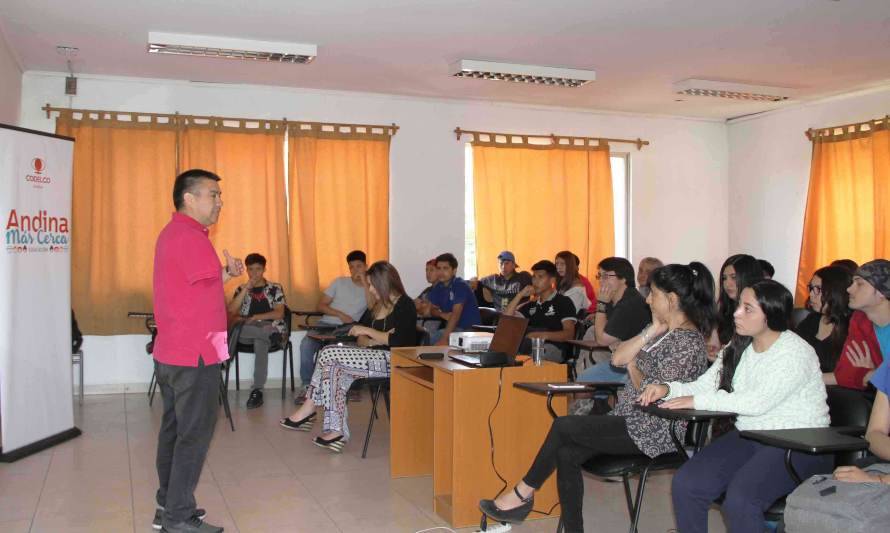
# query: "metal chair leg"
152 387
224 398
283 371
290 354
375 395
237 374
638 506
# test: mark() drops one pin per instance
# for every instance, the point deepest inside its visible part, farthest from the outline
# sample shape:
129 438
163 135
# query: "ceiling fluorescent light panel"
735 91
230 48
532 74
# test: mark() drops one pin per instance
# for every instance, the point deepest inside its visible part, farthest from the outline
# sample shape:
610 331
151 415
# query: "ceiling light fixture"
229 48
735 91
533 74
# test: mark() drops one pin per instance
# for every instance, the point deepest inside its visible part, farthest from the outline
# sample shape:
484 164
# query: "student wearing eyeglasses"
826 327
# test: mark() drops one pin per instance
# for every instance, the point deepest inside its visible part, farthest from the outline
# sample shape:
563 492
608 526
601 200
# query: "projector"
471 341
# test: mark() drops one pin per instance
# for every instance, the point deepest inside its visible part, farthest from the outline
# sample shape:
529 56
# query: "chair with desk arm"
628 466
848 410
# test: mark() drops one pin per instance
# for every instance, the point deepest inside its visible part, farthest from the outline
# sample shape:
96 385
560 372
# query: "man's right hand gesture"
234 266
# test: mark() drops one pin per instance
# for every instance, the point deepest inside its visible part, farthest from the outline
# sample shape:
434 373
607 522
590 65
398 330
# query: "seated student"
423 299
500 288
868 341
826 327
551 316
390 323
588 288
771 378
568 282
621 313
343 302
260 303
452 300
671 349
737 272
647 265
767 268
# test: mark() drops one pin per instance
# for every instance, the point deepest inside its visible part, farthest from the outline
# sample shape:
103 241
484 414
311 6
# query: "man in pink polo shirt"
190 311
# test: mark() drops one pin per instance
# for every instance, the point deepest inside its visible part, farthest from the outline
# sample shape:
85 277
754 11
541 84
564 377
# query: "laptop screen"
508 335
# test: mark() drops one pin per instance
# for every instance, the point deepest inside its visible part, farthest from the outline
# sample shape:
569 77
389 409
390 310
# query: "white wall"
679 190
10 84
769 169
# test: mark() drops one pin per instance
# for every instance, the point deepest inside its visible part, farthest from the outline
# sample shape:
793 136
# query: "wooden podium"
440 426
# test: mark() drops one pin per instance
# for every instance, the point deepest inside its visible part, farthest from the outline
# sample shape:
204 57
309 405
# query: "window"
620 166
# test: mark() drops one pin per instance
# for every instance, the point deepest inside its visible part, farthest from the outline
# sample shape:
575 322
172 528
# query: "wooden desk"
439 426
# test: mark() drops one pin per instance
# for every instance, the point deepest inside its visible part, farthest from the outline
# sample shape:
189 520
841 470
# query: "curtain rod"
848 130
554 138
332 127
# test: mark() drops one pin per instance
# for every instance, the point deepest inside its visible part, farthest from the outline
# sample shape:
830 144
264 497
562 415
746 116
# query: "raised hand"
234 266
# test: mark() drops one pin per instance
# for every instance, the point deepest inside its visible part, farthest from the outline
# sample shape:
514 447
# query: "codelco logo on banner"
38 232
38 175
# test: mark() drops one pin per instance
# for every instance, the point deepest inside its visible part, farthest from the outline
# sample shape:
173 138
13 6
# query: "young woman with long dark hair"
569 281
770 377
826 327
671 348
738 271
390 323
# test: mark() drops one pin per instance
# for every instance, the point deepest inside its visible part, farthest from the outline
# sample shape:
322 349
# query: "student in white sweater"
771 378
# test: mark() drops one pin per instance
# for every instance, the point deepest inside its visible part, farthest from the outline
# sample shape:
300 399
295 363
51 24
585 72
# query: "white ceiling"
638 47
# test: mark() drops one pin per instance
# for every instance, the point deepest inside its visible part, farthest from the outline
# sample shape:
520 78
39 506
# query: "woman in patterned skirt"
672 348
391 323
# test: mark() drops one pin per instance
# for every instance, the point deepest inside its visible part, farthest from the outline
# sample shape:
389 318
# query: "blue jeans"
308 348
604 372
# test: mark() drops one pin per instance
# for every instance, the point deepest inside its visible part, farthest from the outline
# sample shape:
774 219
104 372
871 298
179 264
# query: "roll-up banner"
36 402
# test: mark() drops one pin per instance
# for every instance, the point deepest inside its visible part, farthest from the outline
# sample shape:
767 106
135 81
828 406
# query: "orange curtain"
339 201
536 201
250 163
123 178
847 204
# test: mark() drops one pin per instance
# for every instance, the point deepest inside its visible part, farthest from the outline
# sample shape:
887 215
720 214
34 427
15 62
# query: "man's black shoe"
256 399
192 525
159 515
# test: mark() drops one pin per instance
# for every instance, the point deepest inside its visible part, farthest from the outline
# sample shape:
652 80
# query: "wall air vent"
735 91
229 48
532 74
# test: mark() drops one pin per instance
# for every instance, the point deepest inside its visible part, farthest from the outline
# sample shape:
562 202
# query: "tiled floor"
259 478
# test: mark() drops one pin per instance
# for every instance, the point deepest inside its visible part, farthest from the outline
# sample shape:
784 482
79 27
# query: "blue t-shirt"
444 296
883 335
881 378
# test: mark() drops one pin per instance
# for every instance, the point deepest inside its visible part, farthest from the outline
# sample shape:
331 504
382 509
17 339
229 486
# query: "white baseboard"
132 388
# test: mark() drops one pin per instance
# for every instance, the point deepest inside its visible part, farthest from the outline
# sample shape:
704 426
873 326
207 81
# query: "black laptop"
504 344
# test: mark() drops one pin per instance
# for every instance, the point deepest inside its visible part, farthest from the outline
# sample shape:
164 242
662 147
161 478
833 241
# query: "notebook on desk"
506 340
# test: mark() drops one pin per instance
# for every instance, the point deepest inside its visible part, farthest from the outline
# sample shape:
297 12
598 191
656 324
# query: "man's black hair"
447 258
356 255
546 266
621 267
255 259
187 181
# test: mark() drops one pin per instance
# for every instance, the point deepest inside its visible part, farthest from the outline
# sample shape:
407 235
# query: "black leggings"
571 442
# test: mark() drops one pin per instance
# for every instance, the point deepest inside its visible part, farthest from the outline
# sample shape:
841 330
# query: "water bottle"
538 351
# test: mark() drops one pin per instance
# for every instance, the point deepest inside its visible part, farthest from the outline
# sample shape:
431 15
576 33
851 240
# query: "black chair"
378 386
152 327
848 410
627 466
280 343
571 352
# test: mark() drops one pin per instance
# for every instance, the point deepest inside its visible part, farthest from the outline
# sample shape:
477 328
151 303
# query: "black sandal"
335 444
515 515
304 424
